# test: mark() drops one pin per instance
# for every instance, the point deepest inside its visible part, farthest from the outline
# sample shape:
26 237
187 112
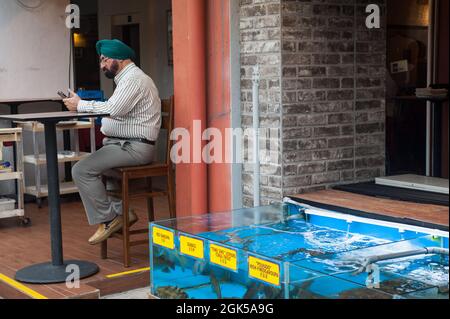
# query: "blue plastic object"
92 95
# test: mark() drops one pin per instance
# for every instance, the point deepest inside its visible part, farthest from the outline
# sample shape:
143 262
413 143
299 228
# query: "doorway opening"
127 28
407 60
130 35
143 25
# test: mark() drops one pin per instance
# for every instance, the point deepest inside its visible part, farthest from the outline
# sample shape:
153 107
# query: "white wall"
153 33
161 72
34 64
34 50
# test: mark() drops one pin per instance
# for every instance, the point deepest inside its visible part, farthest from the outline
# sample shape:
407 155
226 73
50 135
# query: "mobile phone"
62 95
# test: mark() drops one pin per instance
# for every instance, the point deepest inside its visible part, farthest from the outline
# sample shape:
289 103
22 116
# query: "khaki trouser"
87 175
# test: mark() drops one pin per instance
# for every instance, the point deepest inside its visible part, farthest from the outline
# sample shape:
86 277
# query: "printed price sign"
264 270
192 247
163 237
222 256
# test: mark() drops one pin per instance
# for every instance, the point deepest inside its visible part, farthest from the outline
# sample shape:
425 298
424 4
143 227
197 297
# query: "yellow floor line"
21 288
128 272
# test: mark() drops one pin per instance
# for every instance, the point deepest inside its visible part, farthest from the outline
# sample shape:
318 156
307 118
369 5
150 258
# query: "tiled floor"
25 246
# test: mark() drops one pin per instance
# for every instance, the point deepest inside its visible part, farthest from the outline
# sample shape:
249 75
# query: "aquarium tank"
295 251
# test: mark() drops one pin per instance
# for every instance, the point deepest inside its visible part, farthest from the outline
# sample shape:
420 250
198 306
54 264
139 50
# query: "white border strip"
311 210
423 186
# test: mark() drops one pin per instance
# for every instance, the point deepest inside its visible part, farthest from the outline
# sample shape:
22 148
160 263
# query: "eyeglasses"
103 59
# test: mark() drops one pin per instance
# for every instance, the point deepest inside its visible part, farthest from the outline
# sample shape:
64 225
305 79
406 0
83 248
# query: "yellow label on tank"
264 270
192 247
163 237
222 256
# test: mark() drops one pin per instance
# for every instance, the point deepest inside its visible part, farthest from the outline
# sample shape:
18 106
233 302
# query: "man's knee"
85 169
79 170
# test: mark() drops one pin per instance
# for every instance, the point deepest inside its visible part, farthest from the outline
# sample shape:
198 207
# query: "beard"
112 72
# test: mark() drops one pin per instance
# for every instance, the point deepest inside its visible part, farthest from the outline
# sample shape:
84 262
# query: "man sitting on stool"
131 132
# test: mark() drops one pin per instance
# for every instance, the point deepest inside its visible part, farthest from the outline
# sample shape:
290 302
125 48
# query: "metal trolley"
14 207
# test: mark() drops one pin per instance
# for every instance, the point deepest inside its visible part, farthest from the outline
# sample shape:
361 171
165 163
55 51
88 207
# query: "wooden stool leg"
104 244
104 249
170 193
150 207
126 228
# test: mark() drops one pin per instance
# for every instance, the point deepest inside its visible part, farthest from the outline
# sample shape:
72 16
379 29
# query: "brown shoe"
100 229
106 230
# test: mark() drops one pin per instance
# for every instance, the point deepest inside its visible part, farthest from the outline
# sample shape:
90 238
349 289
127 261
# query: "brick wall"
332 86
370 95
260 27
333 94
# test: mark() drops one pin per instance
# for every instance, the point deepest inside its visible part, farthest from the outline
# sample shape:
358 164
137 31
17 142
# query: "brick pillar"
333 95
323 86
261 44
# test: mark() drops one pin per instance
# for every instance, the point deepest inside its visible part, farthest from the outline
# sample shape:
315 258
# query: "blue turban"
115 49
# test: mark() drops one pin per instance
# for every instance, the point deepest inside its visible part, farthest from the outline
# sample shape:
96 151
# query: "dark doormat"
396 193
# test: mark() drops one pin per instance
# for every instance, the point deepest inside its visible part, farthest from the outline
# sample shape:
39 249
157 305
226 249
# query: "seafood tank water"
296 251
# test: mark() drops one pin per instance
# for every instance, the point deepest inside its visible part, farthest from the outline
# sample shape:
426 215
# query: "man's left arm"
121 102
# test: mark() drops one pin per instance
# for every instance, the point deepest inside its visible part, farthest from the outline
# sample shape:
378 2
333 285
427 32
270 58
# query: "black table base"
58 270
47 273
55 271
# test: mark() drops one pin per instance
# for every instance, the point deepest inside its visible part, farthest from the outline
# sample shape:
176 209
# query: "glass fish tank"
296 251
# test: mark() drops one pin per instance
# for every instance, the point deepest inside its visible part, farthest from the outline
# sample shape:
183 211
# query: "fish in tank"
293 251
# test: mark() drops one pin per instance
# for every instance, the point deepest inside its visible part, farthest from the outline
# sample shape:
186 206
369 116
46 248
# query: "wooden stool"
128 174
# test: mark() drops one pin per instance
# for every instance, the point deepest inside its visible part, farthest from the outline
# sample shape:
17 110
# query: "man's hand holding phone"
71 102
62 95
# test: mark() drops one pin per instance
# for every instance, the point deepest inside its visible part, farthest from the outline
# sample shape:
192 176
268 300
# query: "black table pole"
54 203
55 271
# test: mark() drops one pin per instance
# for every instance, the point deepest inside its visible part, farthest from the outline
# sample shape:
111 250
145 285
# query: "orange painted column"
218 99
189 42
202 92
